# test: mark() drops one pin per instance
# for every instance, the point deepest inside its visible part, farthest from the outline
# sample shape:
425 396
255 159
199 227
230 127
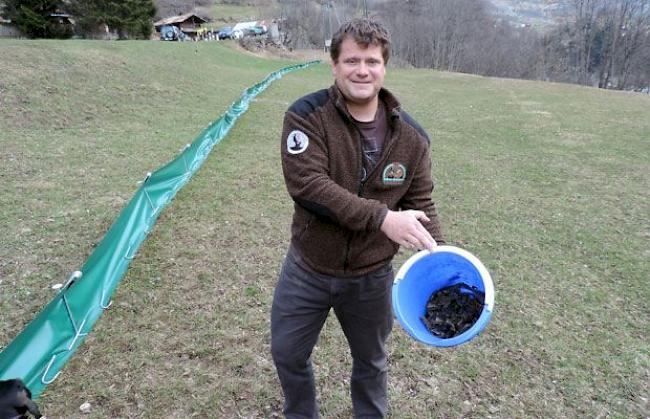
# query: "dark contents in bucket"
453 310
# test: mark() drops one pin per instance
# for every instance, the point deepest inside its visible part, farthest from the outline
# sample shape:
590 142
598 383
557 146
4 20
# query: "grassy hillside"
547 184
229 13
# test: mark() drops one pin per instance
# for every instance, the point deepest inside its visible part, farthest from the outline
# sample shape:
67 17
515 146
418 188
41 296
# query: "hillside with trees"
604 43
36 18
127 17
45 18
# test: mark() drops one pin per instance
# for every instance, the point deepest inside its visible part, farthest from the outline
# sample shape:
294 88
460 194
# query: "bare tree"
634 37
585 15
300 23
602 42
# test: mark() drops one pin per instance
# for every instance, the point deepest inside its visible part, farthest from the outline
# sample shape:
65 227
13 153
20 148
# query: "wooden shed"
188 23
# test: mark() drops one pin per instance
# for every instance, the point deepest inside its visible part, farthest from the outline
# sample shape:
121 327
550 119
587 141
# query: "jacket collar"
390 101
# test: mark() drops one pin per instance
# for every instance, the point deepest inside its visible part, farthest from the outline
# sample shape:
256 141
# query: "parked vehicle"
225 33
243 29
256 30
171 33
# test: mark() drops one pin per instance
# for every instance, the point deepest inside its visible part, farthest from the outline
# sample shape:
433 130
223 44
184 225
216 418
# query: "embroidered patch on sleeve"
394 174
297 142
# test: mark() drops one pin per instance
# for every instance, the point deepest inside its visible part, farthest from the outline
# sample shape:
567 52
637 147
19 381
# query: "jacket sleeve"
308 181
418 196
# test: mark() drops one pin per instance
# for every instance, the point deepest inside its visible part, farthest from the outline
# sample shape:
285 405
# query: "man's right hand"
405 229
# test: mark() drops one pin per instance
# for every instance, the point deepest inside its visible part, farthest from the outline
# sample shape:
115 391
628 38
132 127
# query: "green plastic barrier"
39 352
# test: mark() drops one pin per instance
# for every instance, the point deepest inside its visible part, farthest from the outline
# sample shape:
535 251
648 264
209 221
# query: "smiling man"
358 169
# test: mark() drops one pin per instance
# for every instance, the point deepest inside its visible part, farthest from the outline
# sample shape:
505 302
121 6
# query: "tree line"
604 43
42 18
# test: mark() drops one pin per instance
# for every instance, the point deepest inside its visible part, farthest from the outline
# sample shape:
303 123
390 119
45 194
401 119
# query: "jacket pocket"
371 251
323 244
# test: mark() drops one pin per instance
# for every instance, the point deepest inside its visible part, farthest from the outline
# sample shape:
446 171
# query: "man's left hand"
405 229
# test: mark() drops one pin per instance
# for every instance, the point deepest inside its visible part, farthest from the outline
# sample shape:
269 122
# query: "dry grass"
548 184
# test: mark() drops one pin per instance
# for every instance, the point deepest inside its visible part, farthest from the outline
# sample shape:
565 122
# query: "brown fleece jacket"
337 218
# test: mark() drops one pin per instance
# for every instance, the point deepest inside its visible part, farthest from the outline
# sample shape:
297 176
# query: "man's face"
359 72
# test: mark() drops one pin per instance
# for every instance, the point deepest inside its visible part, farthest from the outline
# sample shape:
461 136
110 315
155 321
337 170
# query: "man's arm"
418 197
417 226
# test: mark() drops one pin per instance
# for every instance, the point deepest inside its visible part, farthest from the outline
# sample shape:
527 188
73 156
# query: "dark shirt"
373 137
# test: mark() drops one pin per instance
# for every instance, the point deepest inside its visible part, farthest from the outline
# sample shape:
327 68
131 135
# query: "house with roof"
189 23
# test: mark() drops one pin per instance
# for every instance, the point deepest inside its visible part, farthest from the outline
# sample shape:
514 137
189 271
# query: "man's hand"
405 229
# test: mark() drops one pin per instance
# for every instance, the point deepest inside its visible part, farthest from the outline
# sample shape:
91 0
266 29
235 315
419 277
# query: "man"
359 172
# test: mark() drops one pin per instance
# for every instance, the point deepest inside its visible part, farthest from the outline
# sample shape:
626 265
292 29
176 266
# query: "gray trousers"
301 304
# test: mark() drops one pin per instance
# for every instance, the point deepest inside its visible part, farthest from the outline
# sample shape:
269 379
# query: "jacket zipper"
359 193
362 182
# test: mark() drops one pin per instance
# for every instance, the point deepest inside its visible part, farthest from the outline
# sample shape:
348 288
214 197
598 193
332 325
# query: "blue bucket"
428 271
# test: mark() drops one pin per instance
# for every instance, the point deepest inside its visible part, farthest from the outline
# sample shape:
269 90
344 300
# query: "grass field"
228 13
548 184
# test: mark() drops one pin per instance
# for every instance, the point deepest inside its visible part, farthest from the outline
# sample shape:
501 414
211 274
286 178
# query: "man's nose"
362 69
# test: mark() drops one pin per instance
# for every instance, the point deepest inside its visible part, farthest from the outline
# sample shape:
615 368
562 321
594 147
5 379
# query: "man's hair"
364 32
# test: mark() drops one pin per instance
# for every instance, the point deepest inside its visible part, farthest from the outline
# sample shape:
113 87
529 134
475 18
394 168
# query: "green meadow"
547 184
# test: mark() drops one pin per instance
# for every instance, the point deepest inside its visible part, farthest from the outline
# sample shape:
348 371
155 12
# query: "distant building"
8 29
62 18
189 23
